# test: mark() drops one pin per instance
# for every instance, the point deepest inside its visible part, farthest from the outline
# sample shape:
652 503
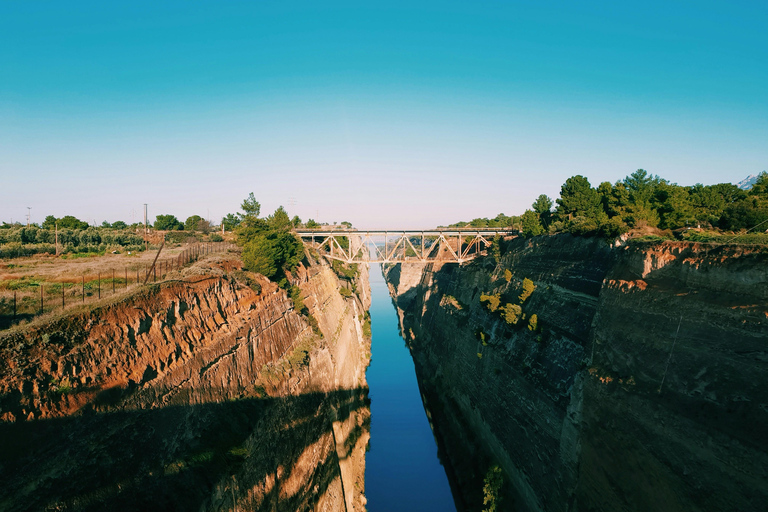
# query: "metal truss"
402 246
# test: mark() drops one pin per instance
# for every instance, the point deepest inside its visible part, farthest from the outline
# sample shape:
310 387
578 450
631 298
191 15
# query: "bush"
492 300
215 237
492 484
345 292
298 300
511 313
528 288
533 322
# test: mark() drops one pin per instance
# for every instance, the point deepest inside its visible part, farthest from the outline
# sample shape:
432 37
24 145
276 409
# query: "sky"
384 114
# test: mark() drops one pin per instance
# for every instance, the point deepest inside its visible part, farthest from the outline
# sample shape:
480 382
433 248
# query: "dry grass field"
44 282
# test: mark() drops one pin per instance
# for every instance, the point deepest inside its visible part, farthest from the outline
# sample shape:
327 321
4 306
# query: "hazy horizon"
404 116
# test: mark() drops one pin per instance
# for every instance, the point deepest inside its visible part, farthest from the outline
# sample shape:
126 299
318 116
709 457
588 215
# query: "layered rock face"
640 385
207 392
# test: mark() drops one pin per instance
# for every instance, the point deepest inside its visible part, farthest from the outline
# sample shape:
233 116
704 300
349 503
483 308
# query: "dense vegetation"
644 200
269 247
18 240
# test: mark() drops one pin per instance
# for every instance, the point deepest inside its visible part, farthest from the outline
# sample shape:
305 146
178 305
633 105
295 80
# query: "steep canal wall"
639 384
209 391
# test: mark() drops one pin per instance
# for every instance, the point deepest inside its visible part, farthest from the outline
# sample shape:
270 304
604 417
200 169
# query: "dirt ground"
27 282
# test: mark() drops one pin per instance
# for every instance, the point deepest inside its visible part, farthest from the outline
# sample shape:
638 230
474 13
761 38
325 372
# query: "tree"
70 222
760 188
250 206
279 221
49 222
674 208
193 223
531 224
744 214
295 221
543 207
311 224
119 225
168 223
269 247
577 197
204 226
230 222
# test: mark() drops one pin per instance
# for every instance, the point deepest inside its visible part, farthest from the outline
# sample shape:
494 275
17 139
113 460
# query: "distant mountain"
747 182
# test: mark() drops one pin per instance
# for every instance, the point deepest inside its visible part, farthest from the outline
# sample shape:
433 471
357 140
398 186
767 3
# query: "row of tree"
162 223
642 199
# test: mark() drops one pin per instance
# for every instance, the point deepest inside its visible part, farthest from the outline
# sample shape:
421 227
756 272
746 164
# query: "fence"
68 291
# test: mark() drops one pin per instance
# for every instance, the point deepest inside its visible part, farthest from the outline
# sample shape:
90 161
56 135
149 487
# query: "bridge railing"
390 246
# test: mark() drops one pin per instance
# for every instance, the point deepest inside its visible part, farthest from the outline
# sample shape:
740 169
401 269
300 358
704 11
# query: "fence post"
62 295
41 299
113 281
126 278
14 304
83 288
99 284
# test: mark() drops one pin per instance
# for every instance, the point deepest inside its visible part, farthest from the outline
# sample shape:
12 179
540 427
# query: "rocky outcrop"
205 392
639 386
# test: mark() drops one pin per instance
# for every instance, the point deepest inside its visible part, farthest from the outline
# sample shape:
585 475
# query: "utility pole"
57 240
29 214
145 218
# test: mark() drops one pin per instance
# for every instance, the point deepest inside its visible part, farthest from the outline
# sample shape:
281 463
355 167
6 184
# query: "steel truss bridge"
351 246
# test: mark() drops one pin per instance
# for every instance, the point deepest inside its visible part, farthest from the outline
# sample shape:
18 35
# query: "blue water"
402 471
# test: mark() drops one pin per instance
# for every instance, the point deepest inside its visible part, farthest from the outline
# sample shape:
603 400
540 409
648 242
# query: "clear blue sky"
397 114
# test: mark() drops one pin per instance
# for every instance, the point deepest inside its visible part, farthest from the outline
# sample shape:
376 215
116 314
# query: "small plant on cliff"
528 288
315 327
367 325
492 483
344 292
496 248
492 300
511 313
507 275
533 322
298 301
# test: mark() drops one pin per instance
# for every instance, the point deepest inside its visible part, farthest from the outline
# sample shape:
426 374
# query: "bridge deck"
400 246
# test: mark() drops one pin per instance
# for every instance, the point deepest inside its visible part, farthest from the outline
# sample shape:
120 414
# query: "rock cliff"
208 391
639 385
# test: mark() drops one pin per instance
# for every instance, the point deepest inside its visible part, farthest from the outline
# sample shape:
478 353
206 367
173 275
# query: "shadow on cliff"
181 457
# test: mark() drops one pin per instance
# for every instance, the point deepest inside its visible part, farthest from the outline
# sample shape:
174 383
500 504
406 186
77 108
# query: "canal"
402 472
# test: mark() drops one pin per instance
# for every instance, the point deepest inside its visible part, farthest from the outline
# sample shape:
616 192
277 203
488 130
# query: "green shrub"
492 483
511 313
533 322
528 288
492 300
507 275
298 300
345 292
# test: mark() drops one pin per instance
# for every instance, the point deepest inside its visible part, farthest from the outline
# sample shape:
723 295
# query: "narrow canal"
402 471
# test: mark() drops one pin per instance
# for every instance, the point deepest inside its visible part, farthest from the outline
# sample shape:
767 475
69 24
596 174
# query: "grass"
75 277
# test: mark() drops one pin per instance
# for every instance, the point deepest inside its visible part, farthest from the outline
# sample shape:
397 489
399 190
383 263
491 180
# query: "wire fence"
36 297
